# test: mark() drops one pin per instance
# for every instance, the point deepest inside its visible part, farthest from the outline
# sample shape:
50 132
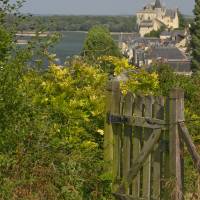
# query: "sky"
98 7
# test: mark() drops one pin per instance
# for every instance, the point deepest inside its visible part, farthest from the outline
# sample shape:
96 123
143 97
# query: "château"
154 16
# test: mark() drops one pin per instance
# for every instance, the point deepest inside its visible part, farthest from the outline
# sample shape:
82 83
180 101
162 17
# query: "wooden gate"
144 145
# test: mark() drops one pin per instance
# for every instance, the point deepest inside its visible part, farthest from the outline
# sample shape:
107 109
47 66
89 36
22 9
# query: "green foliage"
55 139
5 43
154 33
132 79
51 121
51 125
79 23
98 43
166 78
182 20
51 129
191 85
195 43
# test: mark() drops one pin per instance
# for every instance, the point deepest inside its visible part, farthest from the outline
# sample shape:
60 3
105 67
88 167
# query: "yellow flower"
89 144
100 131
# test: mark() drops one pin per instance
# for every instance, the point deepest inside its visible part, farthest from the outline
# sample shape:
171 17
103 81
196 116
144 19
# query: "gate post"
176 114
112 132
108 132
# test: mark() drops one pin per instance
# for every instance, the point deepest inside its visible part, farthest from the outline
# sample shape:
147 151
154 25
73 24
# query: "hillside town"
169 46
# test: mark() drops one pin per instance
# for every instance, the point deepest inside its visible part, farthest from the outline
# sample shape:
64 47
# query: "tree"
182 21
5 42
195 43
154 33
99 42
80 23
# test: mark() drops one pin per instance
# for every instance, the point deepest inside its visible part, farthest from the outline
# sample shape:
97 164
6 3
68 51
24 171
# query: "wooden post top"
113 85
176 93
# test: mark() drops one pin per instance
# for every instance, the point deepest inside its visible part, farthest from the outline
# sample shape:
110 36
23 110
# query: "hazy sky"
98 7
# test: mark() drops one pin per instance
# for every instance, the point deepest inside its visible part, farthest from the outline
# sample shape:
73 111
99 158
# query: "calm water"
71 44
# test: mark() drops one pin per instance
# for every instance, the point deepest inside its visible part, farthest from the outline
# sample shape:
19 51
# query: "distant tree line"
79 23
84 23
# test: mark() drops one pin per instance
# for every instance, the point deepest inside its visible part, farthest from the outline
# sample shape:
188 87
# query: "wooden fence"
144 141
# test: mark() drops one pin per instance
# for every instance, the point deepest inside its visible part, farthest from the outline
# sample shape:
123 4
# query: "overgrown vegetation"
195 43
99 42
52 120
191 85
183 23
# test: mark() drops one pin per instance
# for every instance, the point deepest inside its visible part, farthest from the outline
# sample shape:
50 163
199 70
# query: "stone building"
154 16
172 56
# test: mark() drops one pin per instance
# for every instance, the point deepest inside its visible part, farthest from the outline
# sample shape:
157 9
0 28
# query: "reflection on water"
70 44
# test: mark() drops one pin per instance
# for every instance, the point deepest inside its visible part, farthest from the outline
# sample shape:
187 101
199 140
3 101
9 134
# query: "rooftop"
180 66
169 53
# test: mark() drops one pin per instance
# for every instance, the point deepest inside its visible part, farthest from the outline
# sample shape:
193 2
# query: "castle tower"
158 8
156 16
158 4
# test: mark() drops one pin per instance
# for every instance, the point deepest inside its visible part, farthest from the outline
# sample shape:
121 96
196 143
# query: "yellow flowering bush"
137 80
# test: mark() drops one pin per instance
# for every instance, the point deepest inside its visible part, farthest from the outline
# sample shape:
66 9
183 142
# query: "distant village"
158 39
170 47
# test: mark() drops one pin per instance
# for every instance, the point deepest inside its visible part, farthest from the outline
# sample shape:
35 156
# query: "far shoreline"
112 33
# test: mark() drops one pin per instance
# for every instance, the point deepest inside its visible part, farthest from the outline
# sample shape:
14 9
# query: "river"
71 44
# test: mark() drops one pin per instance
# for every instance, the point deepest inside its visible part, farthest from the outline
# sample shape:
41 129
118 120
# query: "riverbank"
32 33
71 43
112 33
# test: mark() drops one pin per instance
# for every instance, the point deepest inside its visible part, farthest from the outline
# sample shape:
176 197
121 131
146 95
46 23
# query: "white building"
153 17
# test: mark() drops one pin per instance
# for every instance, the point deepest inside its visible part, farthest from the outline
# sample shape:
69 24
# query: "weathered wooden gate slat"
165 168
127 197
117 134
127 110
137 164
136 145
158 113
176 114
190 145
146 190
108 136
144 122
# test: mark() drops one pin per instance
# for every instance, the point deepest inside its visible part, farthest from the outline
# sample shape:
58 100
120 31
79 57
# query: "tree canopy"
99 42
182 21
195 43
80 23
